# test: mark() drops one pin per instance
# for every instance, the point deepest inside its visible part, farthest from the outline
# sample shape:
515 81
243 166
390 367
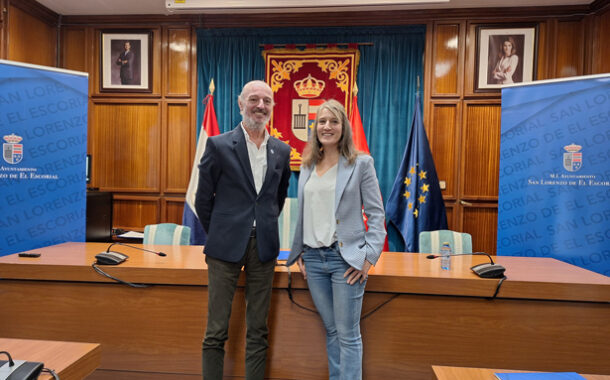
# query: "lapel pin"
272 151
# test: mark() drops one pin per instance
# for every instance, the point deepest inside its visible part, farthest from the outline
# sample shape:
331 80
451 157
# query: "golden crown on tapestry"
301 80
309 87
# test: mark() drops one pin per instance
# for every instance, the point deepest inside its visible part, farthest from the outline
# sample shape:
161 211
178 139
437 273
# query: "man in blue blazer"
243 180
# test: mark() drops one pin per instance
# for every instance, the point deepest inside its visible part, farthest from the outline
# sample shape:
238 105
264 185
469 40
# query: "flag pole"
354 100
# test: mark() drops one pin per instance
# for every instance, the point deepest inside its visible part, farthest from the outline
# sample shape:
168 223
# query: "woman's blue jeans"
339 305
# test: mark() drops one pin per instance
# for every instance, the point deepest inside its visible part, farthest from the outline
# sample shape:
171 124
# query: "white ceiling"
156 7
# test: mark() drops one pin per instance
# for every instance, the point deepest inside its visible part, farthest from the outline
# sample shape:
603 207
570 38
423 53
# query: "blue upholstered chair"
432 241
167 234
287 222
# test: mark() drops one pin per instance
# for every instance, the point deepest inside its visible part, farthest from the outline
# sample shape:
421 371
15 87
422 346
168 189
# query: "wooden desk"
549 316
69 360
452 373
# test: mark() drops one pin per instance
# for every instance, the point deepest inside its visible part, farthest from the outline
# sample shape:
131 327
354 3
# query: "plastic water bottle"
446 256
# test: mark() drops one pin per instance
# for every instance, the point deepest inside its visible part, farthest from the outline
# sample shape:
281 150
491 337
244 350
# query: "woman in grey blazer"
331 245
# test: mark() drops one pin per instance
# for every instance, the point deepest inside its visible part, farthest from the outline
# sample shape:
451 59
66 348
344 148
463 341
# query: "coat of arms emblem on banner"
12 151
301 80
572 159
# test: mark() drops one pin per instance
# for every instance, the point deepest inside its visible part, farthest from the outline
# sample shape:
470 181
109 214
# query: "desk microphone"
132 246
464 254
19 369
115 258
485 270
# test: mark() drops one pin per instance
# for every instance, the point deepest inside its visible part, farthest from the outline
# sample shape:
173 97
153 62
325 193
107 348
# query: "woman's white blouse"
319 209
506 68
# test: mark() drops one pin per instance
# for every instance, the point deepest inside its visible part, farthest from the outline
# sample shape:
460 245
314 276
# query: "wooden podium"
548 315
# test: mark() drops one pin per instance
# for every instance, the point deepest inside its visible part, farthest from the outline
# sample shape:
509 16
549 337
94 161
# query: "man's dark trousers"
222 282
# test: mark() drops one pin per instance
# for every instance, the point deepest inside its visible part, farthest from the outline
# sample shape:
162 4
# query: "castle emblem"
572 159
12 151
304 109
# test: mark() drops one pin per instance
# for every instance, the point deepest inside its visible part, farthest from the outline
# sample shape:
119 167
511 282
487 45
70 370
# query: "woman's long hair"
314 151
513 51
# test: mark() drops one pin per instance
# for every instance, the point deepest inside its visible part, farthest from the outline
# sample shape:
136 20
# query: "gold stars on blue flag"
415 195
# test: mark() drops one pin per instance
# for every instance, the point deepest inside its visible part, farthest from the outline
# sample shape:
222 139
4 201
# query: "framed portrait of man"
126 61
504 56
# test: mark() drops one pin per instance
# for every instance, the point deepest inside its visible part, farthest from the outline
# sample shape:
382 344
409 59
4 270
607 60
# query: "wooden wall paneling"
178 63
92 60
78 52
426 84
544 52
444 136
3 28
551 50
132 212
177 145
447 58
74 48
600 41
172 209
570 41
480 150
96 67
163 150
156 68
31 39
590 30
470 59
125 143
603 41
194 127
481 221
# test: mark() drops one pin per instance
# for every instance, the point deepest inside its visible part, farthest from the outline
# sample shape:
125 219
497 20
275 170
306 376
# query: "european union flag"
416 203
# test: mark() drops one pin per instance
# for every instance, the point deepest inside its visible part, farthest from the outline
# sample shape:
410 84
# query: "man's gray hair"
247 86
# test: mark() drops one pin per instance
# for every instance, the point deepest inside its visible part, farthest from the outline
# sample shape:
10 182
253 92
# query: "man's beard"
253 124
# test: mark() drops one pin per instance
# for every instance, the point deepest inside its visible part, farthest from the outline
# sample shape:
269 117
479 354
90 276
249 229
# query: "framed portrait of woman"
504 56
125 61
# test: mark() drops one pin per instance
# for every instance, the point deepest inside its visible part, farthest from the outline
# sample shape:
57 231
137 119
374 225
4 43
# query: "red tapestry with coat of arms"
301 81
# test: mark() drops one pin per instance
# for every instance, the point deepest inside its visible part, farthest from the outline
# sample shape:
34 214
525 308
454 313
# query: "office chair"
287 222
167 234
431 241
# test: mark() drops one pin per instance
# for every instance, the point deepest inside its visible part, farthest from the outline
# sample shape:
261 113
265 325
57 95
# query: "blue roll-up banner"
43 124
554 196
